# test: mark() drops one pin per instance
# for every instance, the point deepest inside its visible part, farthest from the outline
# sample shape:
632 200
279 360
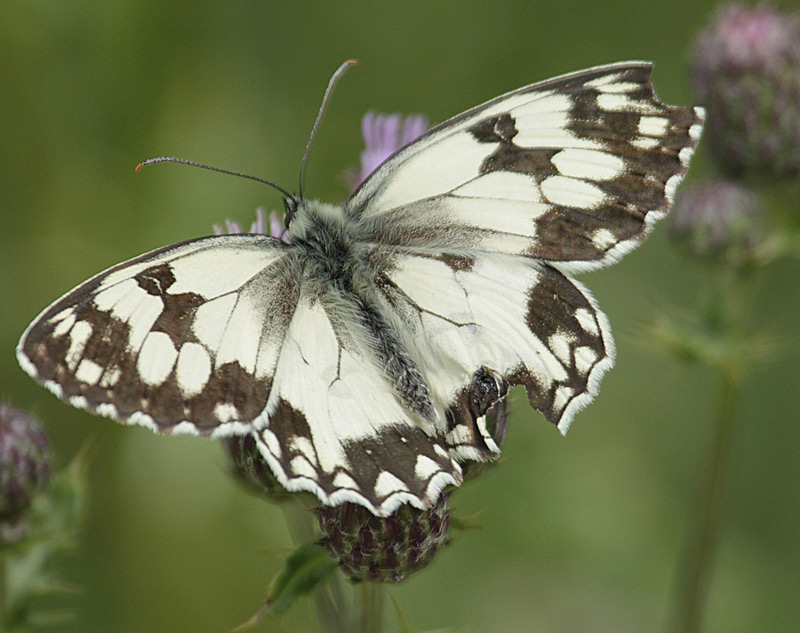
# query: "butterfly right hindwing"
475 319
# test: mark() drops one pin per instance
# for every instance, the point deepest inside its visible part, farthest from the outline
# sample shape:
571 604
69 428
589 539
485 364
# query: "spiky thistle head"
716 218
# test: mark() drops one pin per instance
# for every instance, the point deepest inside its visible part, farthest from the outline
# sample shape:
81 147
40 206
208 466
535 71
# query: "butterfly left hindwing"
363 356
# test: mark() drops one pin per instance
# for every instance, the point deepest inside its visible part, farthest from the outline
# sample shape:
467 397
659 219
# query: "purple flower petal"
384 134
258 226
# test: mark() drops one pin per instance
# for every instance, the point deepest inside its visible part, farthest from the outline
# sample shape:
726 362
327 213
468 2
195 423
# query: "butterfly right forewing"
573 170
480 221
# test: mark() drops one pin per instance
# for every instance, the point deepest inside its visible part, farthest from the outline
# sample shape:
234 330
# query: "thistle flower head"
716 217
746 71
24 462
383 549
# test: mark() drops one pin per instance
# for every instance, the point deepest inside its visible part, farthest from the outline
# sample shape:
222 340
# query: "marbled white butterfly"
363 356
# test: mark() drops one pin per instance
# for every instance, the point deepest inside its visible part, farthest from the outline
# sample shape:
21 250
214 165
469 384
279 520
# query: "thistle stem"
371 616
332 611
696 573
3 589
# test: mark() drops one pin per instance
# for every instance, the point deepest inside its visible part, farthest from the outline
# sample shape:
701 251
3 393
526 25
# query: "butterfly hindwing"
334 424
573 170
182 339
480 322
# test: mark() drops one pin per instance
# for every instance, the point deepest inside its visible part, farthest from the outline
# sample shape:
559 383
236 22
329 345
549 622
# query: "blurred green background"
577 534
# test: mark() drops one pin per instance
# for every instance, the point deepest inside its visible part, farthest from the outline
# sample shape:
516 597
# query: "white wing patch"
432 172
588 163
501 185
572 192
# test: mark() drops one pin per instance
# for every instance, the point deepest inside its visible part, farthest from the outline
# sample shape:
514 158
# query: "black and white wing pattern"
184 339
478 323
363 356
572 171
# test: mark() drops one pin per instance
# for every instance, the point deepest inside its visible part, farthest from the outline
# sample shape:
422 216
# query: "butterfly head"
290 206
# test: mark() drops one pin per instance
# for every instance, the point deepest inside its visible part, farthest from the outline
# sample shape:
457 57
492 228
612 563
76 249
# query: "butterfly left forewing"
573 170
182 339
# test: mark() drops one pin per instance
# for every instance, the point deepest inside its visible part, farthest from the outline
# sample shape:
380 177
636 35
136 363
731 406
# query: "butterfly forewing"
573 171
182 339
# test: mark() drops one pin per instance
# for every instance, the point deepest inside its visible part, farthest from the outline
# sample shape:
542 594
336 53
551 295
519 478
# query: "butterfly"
363 356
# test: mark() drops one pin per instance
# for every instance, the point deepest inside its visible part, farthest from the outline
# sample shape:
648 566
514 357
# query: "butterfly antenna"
331 83
183 161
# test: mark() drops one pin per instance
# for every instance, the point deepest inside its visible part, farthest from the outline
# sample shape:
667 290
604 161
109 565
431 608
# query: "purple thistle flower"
24 468
384 134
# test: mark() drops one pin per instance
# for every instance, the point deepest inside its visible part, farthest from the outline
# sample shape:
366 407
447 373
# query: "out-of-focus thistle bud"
716 218
250 468
383 549
746 72
24 463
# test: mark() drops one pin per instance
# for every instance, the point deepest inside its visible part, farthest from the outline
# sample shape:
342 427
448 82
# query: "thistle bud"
383 549
716 218
24 462
746 72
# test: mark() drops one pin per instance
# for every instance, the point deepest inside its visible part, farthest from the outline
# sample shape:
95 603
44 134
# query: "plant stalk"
3 590
371 616
332 611
696 573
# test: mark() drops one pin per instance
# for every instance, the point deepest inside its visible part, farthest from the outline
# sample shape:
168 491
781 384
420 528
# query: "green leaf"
305 568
